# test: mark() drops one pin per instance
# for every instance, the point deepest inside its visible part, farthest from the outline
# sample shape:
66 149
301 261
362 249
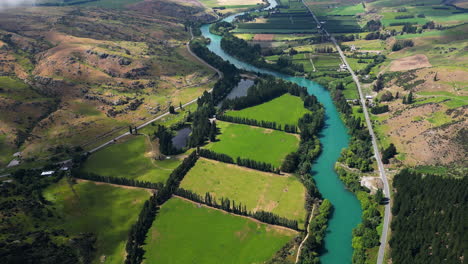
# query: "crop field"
254 143
184 233
326 62
375 44
340 24
101 3
230 3
282 195
445 15
293 19
104 210
286 109
130 159
356 65
345 10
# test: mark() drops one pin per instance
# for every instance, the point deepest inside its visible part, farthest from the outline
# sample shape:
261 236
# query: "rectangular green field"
256 143
130 160
185 233
286 109
282 195
102 209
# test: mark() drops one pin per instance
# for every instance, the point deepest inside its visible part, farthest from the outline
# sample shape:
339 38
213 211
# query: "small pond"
179 141
240 90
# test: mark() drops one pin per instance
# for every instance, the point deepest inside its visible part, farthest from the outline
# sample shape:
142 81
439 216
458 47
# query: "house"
369 97
353 47
47 173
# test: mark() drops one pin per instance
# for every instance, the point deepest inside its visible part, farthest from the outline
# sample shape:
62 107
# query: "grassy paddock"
130 159
186 233
282 195
255 143
286 109
102 209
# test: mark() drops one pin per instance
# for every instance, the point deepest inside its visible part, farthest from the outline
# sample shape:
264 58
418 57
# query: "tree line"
137 235
379 109
429 218
359 152
252 54
259 123
263 91
401 44
116 180
164 136
237 208
202 129
252 164
313 246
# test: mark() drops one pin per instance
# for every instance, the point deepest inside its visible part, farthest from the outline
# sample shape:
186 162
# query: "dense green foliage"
239 48
429 223
388 153
21 243
164 136
365 235
379 109
202 129
401 44
359 152
45 220
317 227
221 27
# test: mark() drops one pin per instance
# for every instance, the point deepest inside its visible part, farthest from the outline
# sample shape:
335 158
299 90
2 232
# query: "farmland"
88 207
132 159
286 109
293 19
282 195
255 143
209 236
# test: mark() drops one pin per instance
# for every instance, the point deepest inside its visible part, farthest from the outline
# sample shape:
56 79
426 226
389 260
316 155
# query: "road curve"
383 176
307 236
220 75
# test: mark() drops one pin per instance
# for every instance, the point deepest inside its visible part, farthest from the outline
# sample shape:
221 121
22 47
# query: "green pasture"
374 44
254 143
348 10
448 99
101 209
286 109
185 233
282 195
128 160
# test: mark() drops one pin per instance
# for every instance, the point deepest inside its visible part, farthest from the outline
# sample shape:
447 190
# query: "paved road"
220 75
387 216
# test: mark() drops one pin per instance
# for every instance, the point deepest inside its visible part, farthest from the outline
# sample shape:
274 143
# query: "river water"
334 137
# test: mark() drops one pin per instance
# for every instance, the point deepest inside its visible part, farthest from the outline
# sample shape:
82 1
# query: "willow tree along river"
334 137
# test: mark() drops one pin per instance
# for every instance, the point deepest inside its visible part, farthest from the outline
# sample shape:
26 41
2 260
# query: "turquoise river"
334 137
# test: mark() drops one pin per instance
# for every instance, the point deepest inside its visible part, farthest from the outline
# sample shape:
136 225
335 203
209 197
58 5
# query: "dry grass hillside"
70 75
